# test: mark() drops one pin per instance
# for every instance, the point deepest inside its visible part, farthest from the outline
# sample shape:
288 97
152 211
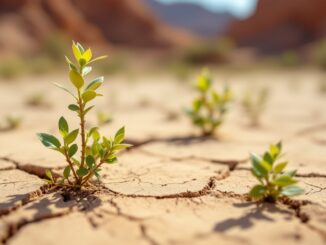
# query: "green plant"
209 107
11 122
103 118
209 52
254 105
37 99
92 155
274 183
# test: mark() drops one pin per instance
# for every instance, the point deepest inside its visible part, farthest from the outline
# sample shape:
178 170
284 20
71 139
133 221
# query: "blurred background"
174 36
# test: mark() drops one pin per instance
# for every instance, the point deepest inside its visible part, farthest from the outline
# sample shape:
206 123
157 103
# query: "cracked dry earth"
171 187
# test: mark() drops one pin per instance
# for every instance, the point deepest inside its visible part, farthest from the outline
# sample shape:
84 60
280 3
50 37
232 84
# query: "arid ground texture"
172 186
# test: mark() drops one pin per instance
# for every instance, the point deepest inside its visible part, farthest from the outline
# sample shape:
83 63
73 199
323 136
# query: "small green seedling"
254 105
37 100
274 183
94 149
11 123
210 107
103 118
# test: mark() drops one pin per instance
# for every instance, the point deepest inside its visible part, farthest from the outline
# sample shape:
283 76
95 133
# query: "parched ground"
171 187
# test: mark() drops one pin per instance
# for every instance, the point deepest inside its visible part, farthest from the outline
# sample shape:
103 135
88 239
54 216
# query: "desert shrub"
210 106
95 150
274 182
254 104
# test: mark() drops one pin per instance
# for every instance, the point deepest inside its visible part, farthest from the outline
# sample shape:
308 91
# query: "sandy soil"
170 188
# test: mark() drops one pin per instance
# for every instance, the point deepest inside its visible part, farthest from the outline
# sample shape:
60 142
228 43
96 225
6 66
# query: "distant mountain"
279 25
191 17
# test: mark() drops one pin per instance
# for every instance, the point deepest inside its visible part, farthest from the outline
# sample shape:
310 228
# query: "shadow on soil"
49 205
261 212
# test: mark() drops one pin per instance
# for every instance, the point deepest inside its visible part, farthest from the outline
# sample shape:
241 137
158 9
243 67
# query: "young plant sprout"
254 105
94 149
10 123
37 100
103 118
209 107
274 183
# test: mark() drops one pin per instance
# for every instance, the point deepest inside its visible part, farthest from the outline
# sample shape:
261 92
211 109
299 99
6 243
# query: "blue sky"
239 8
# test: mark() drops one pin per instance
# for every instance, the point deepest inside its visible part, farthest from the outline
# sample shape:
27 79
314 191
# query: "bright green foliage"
209 107
254 104
273 181
94 149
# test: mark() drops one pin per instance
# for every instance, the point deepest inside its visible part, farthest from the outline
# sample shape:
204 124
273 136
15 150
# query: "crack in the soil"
320 189
206 190
82 200
119 213
14 228
304 217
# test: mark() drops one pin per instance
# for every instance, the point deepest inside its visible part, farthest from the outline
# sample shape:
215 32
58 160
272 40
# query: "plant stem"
71 166
82 130
90 175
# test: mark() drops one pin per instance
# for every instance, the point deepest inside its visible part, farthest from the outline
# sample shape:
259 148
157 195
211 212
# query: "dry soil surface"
172 187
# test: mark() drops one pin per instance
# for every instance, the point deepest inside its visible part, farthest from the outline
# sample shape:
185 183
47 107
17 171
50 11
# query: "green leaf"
86 70
88 95
73 107
119 147
63 126
119 136
49 141
88 109
66 172
76 79
99 58
64 89
257 167
96 135
71 65
75 161
268 158
90 161
87 55
197 104
275 150
97 174
49 175
71 137
80 47
91 131
258 191
279 167
81 172
266 165
284 180
76 51
111 160
203 81
291 173
72 150
94 84
292 191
